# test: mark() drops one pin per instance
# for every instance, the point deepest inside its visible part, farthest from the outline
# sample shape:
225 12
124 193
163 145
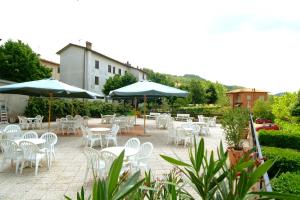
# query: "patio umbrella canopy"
48 88
147 89
45 87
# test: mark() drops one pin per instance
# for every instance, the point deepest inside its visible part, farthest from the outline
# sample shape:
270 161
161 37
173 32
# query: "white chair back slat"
12 131
30 134
133 143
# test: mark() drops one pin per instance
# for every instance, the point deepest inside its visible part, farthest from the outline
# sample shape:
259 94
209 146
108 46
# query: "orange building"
246 97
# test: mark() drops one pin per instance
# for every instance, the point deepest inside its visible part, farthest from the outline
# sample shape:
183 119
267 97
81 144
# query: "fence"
265 182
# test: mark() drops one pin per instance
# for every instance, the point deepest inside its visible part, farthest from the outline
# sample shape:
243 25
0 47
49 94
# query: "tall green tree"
197 92
283 105
296 108
19 63
223 99
263 109
211 94
159 78
118 81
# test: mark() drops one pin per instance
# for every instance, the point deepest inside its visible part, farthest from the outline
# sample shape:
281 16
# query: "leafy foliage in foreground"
208 176
112 187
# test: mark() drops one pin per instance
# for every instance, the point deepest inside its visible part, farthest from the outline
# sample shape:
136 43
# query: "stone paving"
66 174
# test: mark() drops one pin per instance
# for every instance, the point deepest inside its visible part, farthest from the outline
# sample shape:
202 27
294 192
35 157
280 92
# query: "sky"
250 43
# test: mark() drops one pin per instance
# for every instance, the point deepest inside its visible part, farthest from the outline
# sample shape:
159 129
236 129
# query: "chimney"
88 45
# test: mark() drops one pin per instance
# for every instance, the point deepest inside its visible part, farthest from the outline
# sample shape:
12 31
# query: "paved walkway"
67 172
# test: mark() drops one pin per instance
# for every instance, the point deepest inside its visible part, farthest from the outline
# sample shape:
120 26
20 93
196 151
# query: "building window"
125 72
120 72
109 69
58 69
97 64
114 70
239 99
96 80
248 97
261 98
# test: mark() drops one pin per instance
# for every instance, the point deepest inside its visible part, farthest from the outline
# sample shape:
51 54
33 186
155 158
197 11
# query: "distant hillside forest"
201 91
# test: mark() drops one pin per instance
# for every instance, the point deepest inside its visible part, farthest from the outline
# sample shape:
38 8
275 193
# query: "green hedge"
281 139
63 107
194 111
287 160
287 183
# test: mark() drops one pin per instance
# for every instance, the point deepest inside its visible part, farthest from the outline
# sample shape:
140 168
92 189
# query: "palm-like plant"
113 187
212 179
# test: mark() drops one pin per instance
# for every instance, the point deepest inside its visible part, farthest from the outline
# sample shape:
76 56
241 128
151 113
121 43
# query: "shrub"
287 160
63 107
194 111
281 139
287 183
234 122
263 109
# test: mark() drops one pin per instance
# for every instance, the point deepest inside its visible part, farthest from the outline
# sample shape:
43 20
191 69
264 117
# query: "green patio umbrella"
48 88
147 89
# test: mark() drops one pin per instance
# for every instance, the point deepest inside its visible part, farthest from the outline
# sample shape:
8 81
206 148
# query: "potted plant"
234 123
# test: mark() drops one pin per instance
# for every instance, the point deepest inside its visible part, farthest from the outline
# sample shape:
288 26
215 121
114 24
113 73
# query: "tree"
159 78
296 108
19 63
197 92
283 105
211 94
263 109
223 99
118 81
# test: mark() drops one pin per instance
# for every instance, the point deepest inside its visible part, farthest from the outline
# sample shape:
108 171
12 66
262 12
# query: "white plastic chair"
133 143
39 121
93 138
182 135
94 163
171 134
201 118
85 136
112 136
30 134
143 156
130 122
23 123
108 158
86 121
12 132
51 140
69 117
10 152
33 154
205 130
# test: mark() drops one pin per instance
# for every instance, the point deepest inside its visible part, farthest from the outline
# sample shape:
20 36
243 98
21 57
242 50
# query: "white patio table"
37 141
100 130
118 150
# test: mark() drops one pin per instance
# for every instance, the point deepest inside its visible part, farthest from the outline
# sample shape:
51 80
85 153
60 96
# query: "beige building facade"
53 66
88 69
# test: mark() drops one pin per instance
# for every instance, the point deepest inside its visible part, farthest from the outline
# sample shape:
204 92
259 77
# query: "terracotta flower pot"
235 155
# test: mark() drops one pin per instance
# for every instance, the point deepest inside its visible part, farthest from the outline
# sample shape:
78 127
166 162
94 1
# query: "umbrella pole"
135 110
145 100
49 111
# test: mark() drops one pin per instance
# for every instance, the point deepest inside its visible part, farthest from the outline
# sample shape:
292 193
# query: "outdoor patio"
66 174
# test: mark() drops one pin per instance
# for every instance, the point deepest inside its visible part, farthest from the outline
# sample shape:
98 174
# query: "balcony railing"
265 182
